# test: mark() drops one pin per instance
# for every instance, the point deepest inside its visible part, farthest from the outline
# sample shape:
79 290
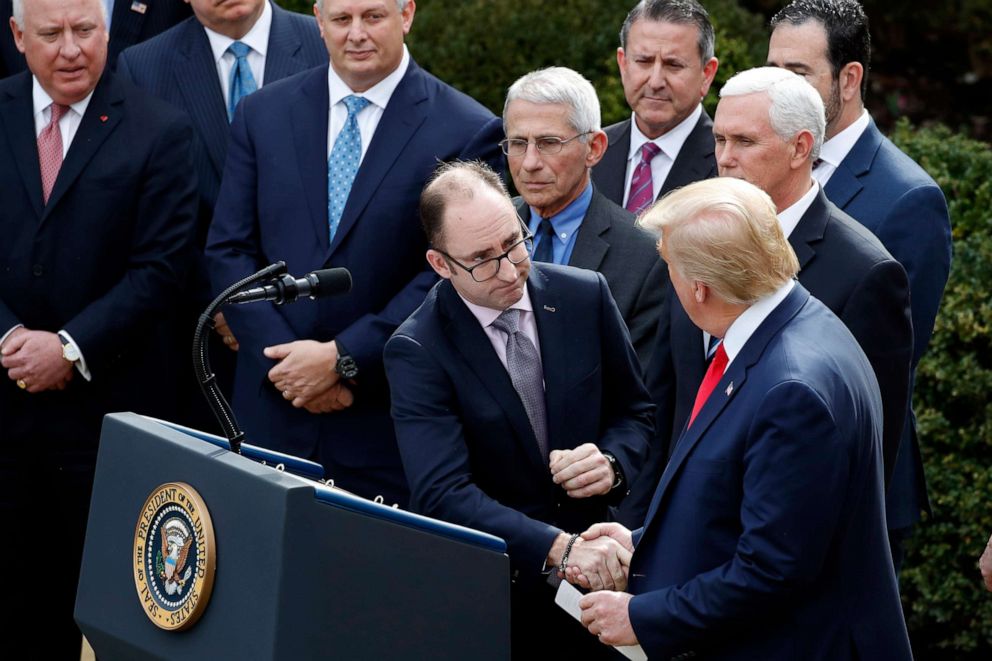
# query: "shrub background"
482 46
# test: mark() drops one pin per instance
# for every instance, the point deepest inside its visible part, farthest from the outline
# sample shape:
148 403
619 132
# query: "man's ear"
439 264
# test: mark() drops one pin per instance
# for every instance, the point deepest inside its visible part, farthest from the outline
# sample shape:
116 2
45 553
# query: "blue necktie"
545 251
342 166
242 82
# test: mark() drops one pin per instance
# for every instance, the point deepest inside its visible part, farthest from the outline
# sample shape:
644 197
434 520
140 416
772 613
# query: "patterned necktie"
641 189
545 251
713 375
524 367
342 166
50 150
242 81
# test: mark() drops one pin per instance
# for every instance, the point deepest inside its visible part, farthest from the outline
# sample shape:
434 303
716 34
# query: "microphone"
287 289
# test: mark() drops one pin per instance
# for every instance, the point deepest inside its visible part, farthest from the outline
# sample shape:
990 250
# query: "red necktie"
641 190
50 150
713 375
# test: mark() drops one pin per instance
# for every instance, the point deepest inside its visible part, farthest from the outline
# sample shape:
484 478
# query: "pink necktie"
713 375
50 150
641 190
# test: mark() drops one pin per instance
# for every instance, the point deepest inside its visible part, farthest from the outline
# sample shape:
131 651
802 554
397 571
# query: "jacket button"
38 270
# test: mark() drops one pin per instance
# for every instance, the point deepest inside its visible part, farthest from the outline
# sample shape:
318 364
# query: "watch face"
70 353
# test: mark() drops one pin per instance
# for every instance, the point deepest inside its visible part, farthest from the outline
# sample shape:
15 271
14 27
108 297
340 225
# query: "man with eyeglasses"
517 401
553 140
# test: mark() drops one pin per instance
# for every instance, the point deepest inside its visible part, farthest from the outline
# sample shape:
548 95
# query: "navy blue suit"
844 266
467 445
103 260
273 206
887 192
766 536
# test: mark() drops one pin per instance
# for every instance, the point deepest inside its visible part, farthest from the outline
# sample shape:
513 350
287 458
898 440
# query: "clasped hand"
34 358
306 377
582 472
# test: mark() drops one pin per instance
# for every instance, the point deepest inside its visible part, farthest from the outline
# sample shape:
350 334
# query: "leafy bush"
948 613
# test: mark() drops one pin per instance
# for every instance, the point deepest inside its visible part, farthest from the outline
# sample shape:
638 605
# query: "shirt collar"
379 94
40 99
487 316
570 218
836 148
671 142
743 327
257 38
791 216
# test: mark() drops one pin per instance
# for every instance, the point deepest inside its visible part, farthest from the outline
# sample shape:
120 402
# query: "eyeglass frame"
527 236
504 144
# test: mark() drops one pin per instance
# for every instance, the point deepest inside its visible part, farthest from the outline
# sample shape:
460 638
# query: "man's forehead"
57 9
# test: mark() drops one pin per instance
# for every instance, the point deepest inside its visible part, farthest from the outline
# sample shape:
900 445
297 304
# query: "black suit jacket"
848 269
695 161
131 23
627 257
102 260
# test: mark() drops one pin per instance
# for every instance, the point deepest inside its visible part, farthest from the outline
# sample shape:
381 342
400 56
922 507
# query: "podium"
303 571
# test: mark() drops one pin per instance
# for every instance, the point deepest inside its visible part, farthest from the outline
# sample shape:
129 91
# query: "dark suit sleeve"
643 320
366 338
923 247
158 257
436 459
878 315
796 476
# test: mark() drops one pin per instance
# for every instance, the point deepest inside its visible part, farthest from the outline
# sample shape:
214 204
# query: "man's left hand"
582 472
605 615
305 369
35 357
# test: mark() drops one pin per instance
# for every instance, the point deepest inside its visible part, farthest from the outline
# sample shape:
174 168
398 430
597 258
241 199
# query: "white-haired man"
553 140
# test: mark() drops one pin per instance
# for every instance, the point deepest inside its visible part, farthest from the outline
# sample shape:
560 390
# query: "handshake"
598 559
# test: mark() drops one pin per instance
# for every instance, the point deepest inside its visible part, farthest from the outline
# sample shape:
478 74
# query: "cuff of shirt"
81 363
7 334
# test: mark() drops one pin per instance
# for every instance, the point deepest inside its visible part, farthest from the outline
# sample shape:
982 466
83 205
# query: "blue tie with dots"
242 81
342 166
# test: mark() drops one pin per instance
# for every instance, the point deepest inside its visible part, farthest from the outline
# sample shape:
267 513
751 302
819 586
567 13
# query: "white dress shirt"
670 144
743 327
368 119
836 149
257 39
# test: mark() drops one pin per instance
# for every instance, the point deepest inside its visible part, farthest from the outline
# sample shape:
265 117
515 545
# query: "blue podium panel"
302 571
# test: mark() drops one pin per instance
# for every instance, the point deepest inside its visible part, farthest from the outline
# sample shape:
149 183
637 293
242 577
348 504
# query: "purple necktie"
641 190
50 150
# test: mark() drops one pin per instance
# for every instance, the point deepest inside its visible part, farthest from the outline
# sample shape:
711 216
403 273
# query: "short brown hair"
451 180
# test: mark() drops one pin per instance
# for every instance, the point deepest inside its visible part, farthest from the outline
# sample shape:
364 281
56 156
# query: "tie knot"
546 228
355 104
58 112
508 321
648 151
239 50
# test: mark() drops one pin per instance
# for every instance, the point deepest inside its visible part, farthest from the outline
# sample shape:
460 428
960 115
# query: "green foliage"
948 613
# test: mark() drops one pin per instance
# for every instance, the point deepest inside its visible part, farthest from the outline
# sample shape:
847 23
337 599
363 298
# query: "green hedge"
948 612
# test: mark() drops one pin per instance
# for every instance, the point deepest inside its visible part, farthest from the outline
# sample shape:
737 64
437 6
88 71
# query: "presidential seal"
174 556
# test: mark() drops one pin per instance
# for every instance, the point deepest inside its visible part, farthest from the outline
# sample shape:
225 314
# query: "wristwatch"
69 350
346 367
617 472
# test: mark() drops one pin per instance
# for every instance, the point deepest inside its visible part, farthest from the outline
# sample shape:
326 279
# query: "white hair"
18 12
795 104
559 85
399 3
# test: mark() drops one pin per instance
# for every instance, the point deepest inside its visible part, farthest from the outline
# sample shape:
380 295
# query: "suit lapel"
552 333
810 230
733 381
17 117
403 115
283 49
310 140
104 113
590 247
845 182
195 74
695 159
614 164
477 351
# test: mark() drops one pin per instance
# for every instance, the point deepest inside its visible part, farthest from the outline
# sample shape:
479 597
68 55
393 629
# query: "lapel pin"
103 118
730 388
549 308
139 7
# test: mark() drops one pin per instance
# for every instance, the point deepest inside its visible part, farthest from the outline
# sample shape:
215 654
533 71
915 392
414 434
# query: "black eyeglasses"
488 268
546 145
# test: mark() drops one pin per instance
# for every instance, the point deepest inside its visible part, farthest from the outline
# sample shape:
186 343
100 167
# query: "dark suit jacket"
468 448
844 266
695 161
102 260
891 195
627 257
127 27
273 206
766 536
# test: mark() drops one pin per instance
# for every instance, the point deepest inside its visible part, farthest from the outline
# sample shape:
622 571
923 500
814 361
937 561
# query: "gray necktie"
524 366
